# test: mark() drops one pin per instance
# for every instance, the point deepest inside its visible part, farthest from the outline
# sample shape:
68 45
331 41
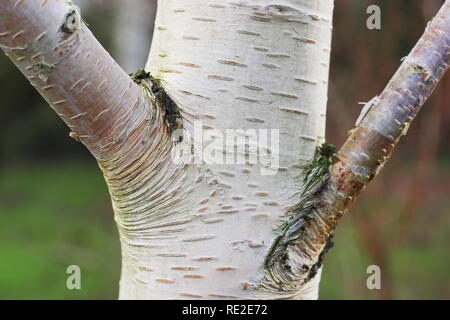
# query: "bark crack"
171 111
72 20
294 257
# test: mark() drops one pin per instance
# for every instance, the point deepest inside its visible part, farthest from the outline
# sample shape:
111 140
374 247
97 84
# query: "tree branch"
53 48
306 236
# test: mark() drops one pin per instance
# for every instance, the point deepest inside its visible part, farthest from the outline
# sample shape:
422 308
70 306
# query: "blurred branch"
133 29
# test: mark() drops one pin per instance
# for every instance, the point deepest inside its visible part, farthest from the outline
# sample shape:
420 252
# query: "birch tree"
191 228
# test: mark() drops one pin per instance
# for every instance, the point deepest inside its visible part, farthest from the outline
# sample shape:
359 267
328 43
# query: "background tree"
97 148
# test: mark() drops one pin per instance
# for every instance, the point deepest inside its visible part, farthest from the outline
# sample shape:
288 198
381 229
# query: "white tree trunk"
231 65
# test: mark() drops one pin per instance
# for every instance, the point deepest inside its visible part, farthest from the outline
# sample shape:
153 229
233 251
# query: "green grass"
416 269
53 217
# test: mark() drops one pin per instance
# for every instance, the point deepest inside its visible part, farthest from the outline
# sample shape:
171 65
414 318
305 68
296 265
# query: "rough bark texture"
230 65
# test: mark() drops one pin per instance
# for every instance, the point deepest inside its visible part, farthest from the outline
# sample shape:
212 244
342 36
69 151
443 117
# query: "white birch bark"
231 65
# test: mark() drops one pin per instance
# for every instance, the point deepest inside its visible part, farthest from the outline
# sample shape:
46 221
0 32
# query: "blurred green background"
55 209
